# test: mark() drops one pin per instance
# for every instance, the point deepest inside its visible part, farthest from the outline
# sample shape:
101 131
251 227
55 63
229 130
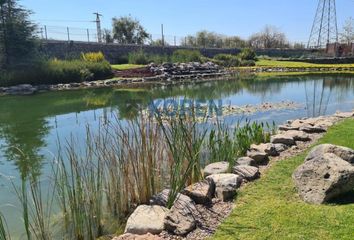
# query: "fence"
46 32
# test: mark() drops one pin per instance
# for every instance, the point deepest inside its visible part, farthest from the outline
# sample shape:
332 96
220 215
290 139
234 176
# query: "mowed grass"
290 64
271 209
126 66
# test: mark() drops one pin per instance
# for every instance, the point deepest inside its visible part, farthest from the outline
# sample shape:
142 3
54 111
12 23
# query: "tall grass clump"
185 141
54 71
184 56
227 144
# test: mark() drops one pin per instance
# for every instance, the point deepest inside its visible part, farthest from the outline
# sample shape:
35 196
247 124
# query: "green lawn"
289 64
126 66
271 209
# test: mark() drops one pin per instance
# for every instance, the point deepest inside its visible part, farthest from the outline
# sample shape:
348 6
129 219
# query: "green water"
31 126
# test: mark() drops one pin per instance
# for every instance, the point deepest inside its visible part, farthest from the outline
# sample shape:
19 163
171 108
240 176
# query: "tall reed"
3 229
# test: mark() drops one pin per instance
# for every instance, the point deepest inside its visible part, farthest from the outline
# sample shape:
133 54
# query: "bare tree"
269 37
347 35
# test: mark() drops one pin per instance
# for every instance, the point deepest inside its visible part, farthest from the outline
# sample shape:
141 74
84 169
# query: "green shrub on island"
142 58
248 54
93 57
227 60
184 56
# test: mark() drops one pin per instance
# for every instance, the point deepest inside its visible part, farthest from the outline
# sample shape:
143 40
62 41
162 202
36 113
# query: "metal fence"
46 32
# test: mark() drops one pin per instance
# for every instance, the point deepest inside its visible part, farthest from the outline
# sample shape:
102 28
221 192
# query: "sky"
182 17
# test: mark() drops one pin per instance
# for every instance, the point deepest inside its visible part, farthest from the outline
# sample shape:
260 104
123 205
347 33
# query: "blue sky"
230 17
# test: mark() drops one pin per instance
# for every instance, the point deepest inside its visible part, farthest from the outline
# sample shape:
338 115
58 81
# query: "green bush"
138 57
248 54
227 60
142 58
183 56
56 71
248 63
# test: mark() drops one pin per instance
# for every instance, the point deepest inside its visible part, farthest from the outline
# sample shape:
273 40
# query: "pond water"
35 124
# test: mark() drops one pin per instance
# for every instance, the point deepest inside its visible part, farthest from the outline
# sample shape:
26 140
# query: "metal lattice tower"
324 28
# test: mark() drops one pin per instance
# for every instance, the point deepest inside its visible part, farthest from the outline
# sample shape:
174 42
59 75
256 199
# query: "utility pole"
162 36
98 24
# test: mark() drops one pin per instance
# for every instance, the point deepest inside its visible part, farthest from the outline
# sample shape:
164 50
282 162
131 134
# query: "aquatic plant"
3 229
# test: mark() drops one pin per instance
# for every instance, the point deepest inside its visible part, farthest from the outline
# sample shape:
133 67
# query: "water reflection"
25 121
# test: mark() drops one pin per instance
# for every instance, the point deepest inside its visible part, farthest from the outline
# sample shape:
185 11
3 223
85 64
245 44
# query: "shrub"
248 54
248 63
93 57
138 57
227 60
186 56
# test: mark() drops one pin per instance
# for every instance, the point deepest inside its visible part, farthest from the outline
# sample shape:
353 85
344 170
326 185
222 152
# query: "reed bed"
123 164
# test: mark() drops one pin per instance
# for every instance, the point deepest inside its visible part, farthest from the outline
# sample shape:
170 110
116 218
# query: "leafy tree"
16 33
127 30
269 37
347 35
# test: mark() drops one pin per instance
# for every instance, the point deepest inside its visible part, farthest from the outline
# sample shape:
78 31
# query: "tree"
107 36
347 35
269 37
17 33
159 42
127 30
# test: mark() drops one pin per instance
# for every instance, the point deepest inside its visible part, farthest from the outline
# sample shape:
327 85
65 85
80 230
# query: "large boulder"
146 219
245 161
313 129
201 192
283 139
268 148
180 219
298 135
259 156
225 185
216 168
345 153
248 173
324 178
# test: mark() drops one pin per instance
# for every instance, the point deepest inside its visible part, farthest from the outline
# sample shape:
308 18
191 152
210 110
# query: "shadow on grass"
344 199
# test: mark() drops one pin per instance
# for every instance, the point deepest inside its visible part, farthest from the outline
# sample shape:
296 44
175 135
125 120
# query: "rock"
247 172
344 153
245 161
313 129
344 114
146 219
161 198
268 148
216 168
23 89
201 192
279 147
324 178
287 128
129 236
298 135
225 185
259 157
283 139
180 219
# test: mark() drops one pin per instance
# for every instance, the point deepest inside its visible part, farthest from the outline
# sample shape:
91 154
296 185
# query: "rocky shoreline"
165 74
200 208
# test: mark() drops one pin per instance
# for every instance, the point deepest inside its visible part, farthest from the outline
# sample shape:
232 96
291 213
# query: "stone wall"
115 53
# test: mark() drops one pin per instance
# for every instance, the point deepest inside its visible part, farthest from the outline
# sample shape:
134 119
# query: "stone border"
189 218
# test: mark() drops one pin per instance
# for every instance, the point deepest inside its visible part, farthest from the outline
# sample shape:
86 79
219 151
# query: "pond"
32 126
